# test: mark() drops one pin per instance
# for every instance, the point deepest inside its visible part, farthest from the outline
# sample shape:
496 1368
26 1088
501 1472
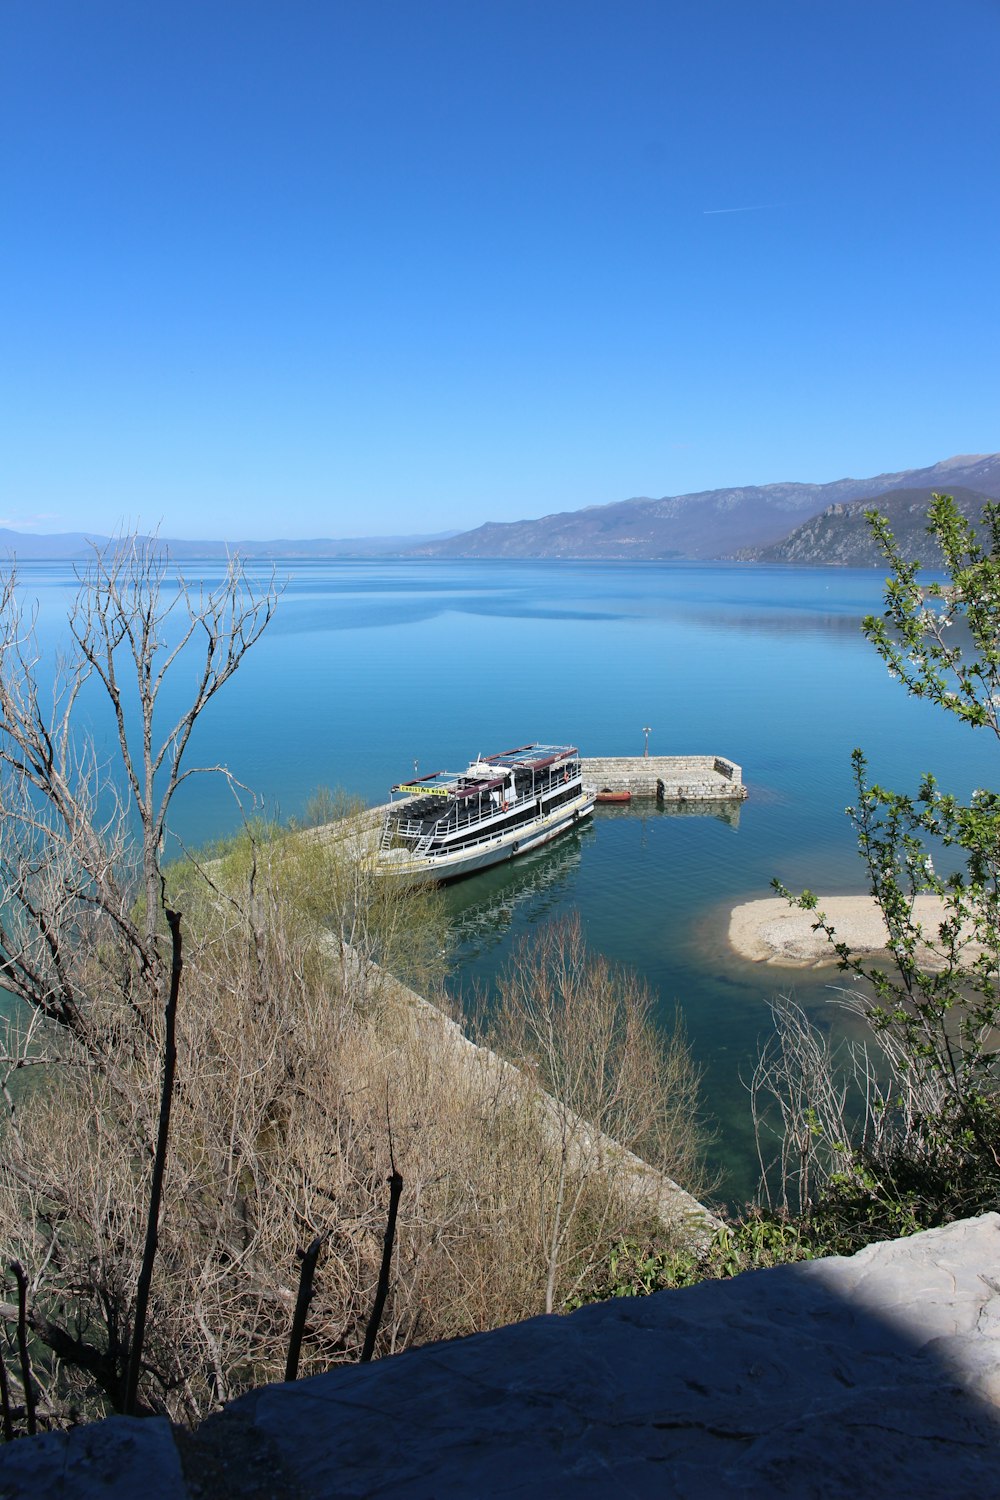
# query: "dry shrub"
302 1069
608 1083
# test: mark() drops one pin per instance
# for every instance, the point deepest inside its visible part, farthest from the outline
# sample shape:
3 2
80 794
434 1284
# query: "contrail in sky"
752 208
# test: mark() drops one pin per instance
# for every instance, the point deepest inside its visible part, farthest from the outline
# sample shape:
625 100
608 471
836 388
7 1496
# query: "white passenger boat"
452 823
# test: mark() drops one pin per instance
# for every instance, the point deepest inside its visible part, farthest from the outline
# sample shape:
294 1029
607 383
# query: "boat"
449 823
607 795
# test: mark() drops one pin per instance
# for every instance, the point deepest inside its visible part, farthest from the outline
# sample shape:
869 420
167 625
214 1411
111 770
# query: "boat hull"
402 864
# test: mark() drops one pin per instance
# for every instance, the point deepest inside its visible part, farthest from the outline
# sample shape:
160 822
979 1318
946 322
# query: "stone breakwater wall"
444 1042
686 778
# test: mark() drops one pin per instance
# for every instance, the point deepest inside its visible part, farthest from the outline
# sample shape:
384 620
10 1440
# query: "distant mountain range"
794 523
709 524
78 546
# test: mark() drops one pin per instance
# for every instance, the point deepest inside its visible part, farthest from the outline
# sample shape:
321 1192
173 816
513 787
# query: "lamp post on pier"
647 731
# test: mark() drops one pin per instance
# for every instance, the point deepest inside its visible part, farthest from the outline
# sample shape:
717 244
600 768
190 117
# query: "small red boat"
607 795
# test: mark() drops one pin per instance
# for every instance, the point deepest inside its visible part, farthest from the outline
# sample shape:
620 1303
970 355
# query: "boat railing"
489 836
416 833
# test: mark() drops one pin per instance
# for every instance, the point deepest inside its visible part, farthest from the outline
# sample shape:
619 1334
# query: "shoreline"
772 932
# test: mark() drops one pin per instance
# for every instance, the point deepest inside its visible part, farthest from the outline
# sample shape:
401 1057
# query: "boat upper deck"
511 786
531 757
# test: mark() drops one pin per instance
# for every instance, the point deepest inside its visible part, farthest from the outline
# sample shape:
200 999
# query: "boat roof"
530 757
481 774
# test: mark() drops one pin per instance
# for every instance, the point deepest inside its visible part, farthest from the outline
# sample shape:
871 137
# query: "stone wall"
686 778
447 1045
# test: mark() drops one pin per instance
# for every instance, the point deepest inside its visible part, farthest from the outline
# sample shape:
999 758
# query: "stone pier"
685 778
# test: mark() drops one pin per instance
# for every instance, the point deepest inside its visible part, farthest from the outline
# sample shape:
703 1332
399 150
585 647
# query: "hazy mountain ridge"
705 524
768 522
78 546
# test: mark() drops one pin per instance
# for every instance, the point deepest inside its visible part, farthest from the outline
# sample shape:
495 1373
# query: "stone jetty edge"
684 778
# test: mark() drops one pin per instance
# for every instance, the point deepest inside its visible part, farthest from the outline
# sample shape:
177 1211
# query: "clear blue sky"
315 268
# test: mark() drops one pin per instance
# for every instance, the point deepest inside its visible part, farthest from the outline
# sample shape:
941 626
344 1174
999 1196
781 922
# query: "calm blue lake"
369 667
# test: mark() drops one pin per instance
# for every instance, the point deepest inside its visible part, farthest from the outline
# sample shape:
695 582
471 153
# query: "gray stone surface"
878 1375
685 778
123 1458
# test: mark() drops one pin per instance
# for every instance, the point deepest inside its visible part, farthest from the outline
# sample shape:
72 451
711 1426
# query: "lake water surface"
369 667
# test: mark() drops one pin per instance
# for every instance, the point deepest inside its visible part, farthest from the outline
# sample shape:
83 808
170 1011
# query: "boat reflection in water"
542 883
531 889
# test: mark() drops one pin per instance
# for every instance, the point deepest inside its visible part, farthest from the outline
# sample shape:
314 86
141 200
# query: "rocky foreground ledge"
875 1375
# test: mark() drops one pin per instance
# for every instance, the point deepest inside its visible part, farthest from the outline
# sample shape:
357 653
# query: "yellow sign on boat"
425 791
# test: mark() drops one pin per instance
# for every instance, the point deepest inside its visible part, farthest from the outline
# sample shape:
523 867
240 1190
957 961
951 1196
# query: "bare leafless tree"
87 944
77 833
820 1105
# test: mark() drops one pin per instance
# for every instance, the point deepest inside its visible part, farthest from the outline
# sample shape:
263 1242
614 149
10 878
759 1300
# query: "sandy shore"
771 931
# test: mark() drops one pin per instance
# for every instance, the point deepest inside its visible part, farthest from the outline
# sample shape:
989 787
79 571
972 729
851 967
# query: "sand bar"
770 931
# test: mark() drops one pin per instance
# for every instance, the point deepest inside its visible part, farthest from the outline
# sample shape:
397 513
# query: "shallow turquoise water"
369 667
